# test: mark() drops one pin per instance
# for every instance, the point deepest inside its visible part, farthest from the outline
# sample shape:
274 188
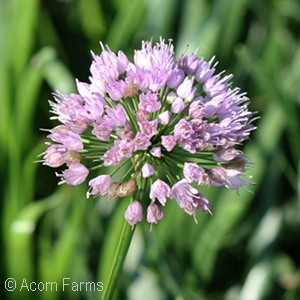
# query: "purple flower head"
134 213
151 124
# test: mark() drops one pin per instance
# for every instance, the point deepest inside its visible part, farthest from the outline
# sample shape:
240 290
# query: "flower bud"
147 170
154 214
75 174
134 213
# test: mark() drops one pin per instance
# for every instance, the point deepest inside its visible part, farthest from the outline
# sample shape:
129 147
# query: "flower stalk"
118 261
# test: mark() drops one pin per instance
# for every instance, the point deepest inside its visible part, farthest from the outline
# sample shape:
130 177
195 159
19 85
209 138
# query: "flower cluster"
169 125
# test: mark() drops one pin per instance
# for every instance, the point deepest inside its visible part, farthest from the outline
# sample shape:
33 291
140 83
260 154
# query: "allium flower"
134 213
189 198
166 126
75 174
154 214
160 191
192 172
147 170
99 185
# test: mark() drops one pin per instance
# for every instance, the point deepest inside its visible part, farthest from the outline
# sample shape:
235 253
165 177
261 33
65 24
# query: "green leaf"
91 15
19 247
126 23
21 23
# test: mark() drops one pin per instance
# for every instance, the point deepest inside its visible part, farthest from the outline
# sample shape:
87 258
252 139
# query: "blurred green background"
249 249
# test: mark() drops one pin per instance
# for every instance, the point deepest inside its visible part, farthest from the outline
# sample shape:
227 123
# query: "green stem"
131 116
117 266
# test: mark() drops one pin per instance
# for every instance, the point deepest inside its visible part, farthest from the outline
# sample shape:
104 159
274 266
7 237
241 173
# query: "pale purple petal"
149 102
188 198
116 116
160 190
75 174
189 63
116 89
156 151
178 105
169 142
164 118
141 141
62 134
54 156
230 178
154 213
134 213
142 115
204 70
171 97
197 109
176 78
192 172
103 128
99 185
147 170
71 111
185 88
149 128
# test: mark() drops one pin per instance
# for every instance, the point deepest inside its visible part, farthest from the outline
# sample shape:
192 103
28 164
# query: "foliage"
249 248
